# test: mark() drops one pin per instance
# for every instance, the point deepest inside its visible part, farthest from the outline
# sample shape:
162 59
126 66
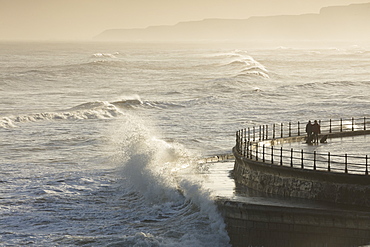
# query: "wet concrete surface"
217 179
352 145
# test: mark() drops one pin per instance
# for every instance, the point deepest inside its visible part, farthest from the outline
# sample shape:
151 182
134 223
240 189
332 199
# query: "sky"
84 19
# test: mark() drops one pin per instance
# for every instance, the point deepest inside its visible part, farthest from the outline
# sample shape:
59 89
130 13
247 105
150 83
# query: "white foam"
93 110
102 55
6 122
149 164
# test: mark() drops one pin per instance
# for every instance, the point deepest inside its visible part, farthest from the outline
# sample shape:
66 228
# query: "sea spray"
200 197
150 166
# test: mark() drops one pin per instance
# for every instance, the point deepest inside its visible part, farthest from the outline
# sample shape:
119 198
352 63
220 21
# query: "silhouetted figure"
316 131
309 132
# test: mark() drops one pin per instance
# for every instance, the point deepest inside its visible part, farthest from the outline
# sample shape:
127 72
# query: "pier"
310 197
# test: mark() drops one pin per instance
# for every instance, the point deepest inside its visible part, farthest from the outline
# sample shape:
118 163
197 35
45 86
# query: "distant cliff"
345 23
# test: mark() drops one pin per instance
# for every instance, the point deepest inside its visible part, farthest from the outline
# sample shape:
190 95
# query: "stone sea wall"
316 185
279 226
335 211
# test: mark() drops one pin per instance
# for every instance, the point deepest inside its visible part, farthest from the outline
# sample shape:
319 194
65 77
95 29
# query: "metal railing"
281 130
249 144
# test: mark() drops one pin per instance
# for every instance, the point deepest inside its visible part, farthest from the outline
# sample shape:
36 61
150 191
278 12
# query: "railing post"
247 146
314 160
247 149
341 125
302 166
273 131
345 163
330 126
291 157
254 133
249 134
366 169
267 132
272 155
259 134
290 129
328 161
299 130
237 141
241 141
257 151
364 123
263 153
281 156
281 130
353 124
245 142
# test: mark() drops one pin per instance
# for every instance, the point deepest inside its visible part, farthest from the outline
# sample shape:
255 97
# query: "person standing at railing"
316 131
309 131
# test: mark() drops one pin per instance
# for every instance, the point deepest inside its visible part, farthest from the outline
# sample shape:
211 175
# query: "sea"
100 142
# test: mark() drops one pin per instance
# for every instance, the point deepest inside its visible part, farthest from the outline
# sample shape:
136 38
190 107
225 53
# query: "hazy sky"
83 19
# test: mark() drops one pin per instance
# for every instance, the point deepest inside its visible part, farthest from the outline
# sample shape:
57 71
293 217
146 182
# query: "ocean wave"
128 103
7 122
35 71
346 51
243 64
91 110
344 83
254 73
339 88
236 63
150 167
89 67
83 67
103 63
256 68
230 54
105 55
137 102
283 48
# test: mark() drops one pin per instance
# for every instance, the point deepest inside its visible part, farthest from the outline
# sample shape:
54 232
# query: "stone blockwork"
278 226
344 221
316 185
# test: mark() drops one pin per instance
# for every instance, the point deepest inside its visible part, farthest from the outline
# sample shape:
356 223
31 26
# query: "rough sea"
99 142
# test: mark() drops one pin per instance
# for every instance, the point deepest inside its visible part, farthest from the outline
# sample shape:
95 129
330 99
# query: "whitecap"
104 55
90 110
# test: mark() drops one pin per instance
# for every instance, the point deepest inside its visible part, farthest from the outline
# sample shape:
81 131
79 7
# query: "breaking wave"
105 55
136 102
149 166
244 64
91 110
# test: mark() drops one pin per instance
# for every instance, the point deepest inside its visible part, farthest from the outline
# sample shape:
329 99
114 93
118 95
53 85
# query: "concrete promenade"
256 218
354 145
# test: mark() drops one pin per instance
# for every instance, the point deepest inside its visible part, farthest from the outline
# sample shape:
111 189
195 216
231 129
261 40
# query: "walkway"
352 145
217 180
